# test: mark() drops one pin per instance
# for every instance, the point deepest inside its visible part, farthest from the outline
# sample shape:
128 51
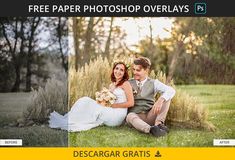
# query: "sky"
138 28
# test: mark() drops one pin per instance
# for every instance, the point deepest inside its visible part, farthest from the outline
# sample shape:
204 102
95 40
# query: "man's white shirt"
166 91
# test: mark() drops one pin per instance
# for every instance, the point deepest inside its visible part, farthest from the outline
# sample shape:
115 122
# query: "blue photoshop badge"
200 8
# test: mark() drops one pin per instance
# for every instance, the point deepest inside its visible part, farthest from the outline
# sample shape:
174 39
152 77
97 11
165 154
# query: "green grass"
11 108
220 101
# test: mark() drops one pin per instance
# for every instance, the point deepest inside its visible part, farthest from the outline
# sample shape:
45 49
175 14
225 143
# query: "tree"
94 36
6 67
78 29
21 47
88 40
209 42
57 27
33 23
76 26
62 33
12 31
107 45
174 60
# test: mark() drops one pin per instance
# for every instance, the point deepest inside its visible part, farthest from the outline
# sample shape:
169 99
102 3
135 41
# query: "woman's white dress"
86 113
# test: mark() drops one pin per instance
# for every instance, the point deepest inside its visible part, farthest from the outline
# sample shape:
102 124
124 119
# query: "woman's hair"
125 76
143 61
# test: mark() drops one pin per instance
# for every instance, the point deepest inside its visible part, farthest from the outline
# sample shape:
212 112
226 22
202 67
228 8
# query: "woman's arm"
111 87
126 86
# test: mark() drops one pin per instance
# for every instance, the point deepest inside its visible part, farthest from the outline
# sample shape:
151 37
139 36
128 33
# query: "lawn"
220 101
11 108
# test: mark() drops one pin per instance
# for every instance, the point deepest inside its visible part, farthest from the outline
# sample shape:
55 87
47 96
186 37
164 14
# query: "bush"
45 100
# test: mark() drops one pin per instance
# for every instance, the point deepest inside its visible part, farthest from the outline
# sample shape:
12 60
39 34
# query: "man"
147 115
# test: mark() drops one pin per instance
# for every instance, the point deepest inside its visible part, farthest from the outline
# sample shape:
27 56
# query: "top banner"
118 8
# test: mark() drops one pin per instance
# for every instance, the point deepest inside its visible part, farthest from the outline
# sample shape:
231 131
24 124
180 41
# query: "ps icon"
200 8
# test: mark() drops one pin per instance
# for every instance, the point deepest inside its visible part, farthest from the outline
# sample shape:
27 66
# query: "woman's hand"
114 105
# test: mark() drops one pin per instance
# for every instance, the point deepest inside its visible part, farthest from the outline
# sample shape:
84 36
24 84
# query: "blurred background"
193 50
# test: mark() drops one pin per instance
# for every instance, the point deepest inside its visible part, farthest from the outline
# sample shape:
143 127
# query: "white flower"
107 98
112 101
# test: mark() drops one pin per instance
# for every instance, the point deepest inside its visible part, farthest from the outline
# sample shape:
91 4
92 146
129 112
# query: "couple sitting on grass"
135 103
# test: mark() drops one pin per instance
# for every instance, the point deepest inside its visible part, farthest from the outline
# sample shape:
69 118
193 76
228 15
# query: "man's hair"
143 61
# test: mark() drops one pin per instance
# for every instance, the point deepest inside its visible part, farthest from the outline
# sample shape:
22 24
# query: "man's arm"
167 93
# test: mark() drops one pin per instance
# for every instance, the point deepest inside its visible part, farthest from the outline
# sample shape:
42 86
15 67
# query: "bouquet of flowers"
105 97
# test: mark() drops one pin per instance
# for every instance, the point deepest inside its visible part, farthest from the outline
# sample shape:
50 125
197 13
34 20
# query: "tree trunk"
88 37
62 56
16 86
30 53
76 36
18 60
107 45
29 73
151 49
174 61
12 50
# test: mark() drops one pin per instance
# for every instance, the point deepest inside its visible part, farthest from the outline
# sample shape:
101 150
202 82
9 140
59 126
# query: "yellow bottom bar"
226 153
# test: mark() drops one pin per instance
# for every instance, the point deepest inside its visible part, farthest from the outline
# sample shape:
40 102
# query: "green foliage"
7 76
207 52
214 56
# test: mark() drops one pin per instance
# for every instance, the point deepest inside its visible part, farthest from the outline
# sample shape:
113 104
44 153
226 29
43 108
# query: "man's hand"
158 105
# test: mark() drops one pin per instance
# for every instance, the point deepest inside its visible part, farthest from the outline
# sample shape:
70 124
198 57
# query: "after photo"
150 82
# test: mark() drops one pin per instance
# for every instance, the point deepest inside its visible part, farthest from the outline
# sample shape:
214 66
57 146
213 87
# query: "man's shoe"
163 127
156 131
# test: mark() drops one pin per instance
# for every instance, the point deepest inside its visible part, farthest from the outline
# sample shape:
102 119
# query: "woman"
86 113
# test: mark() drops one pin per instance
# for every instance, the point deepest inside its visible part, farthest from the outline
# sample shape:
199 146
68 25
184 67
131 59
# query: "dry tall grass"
54 96
88 79
185 111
